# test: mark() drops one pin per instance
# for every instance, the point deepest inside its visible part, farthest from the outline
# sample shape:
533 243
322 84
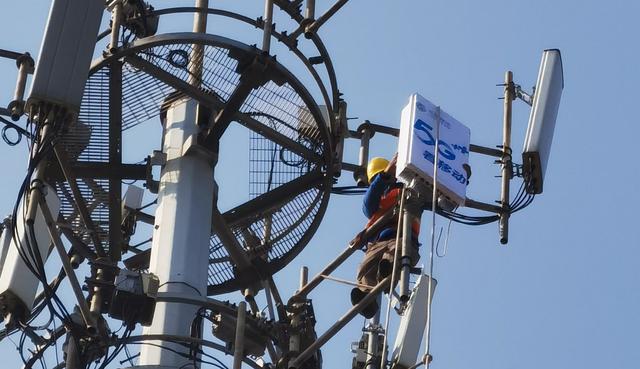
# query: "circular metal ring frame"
323 184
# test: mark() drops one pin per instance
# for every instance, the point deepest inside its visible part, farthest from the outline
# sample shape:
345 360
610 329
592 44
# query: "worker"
383 194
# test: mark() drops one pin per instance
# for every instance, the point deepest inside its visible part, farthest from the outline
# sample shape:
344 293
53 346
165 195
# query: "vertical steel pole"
296 319
115 159
268 24
197 53
25 67
363 153
296 362
304 277
407 244
509 95
180 249
363 157
116 21
373 340
238 351
66 265
310 11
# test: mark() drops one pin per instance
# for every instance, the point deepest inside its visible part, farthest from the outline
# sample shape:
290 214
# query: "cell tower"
193 87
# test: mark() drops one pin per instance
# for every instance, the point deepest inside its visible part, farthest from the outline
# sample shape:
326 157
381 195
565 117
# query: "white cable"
399 227
446 241
434 201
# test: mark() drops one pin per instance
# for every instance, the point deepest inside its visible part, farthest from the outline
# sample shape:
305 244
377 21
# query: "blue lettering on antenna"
443 148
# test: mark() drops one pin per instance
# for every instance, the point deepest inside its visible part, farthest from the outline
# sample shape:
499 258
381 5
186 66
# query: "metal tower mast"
197 85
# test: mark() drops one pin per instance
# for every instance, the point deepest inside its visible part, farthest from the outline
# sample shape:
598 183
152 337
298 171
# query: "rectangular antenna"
65 55
542 121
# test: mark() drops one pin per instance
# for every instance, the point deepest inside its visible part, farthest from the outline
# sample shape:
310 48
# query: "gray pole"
197 54
268 24
310 10
116 20
353 247
25 67
373 340
238 351
183 218
363 157
296 318
407 244
68 269
337 326
506 157
304 277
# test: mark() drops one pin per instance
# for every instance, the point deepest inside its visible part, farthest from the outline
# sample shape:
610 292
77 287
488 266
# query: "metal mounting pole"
197 53
180 249
297 321
25 67
363 156
68 269
373 340
310 11
407 244
313 27
353 246
304 276
509 96
238 351
337 326
268 25
116 21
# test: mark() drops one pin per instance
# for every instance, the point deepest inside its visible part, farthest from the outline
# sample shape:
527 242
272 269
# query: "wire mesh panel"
87 141
288 144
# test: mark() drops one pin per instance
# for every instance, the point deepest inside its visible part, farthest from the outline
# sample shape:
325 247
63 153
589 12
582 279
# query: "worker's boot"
370 310
385 267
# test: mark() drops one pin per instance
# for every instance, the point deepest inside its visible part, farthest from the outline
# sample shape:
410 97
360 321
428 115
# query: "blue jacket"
380 185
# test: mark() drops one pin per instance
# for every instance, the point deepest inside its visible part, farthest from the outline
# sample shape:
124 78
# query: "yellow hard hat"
376 165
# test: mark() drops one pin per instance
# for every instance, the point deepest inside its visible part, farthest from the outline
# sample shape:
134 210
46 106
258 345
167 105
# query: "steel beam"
99 170
80 204
210 100
338 325
66 265
509 96
115 159
259 206
229 241
356 244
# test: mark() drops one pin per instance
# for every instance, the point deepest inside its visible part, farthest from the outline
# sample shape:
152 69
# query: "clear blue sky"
564 292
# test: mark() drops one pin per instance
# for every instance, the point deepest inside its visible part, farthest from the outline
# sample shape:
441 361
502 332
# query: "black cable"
348 190
28 250
12 126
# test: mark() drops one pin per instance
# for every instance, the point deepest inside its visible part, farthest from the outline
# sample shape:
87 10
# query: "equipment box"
416 144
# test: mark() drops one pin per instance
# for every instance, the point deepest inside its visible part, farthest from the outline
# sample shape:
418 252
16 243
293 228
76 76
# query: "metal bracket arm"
235 250
81 206
215 103
354 245
66 265
337 326
312 28
253 75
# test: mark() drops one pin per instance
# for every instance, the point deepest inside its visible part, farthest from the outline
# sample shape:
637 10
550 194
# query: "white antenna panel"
416 148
